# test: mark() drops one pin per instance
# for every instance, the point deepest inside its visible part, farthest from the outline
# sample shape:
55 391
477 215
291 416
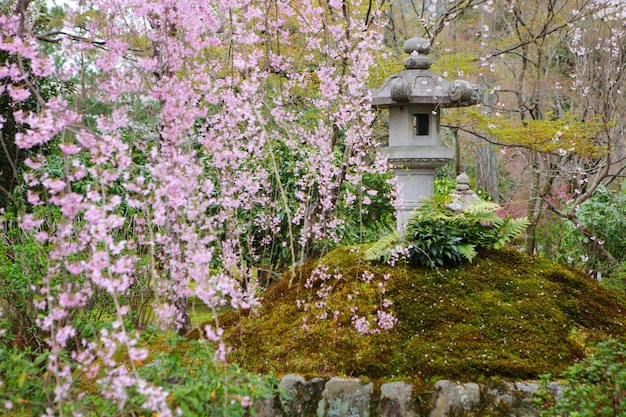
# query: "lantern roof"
417 85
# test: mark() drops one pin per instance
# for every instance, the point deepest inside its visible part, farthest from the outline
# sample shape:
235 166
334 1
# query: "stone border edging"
349 397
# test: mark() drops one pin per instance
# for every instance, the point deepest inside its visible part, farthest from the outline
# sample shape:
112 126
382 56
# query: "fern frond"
510 229
468 251
480 207
483 212
381 250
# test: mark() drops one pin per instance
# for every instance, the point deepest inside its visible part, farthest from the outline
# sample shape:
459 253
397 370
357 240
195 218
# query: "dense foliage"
157 153
437 236
593 387
602 220
185 374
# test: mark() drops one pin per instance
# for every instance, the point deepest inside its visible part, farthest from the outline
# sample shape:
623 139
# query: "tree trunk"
183 309
486 158
533 207
458 168
487 170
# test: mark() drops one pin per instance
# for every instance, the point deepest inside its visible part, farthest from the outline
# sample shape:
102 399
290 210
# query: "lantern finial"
418 49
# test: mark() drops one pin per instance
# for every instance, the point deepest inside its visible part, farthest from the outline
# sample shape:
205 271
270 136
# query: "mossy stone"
507 314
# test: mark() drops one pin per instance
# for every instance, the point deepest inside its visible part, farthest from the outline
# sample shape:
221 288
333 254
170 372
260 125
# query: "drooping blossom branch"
173 178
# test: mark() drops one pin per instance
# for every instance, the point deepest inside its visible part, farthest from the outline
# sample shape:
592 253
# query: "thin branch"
452 13
53 37
488 139
545 32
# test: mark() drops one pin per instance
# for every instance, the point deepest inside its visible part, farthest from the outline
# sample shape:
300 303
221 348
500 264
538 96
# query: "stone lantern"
415 98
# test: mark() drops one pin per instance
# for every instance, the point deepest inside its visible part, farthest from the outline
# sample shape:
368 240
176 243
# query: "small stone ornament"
462 197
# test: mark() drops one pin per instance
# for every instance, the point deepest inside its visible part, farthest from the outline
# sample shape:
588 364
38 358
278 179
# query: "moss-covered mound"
506 314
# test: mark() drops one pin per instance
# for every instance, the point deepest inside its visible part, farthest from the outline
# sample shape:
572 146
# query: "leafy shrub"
199 384
186 372
435 241
604 214
23 264
437 236
22 381
444 185
595 387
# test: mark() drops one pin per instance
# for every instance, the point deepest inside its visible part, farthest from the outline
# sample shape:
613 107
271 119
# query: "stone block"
452 399
396 400
299 397
267 408
345 397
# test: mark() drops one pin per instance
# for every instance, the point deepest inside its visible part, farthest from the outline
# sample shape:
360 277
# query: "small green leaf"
468 251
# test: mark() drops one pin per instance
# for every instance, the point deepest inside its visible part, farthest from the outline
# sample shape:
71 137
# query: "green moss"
507 315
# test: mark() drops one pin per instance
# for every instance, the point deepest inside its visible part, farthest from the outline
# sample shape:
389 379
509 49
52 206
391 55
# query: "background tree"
555 72
539 63
11 99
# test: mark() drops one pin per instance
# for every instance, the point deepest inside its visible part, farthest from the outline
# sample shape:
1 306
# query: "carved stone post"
415 98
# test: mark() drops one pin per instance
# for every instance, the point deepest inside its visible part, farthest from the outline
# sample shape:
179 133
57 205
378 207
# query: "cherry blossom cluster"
201 100
323 285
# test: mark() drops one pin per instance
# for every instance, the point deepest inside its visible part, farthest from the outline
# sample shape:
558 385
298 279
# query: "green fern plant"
496 231
437 236
382 249
509 230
